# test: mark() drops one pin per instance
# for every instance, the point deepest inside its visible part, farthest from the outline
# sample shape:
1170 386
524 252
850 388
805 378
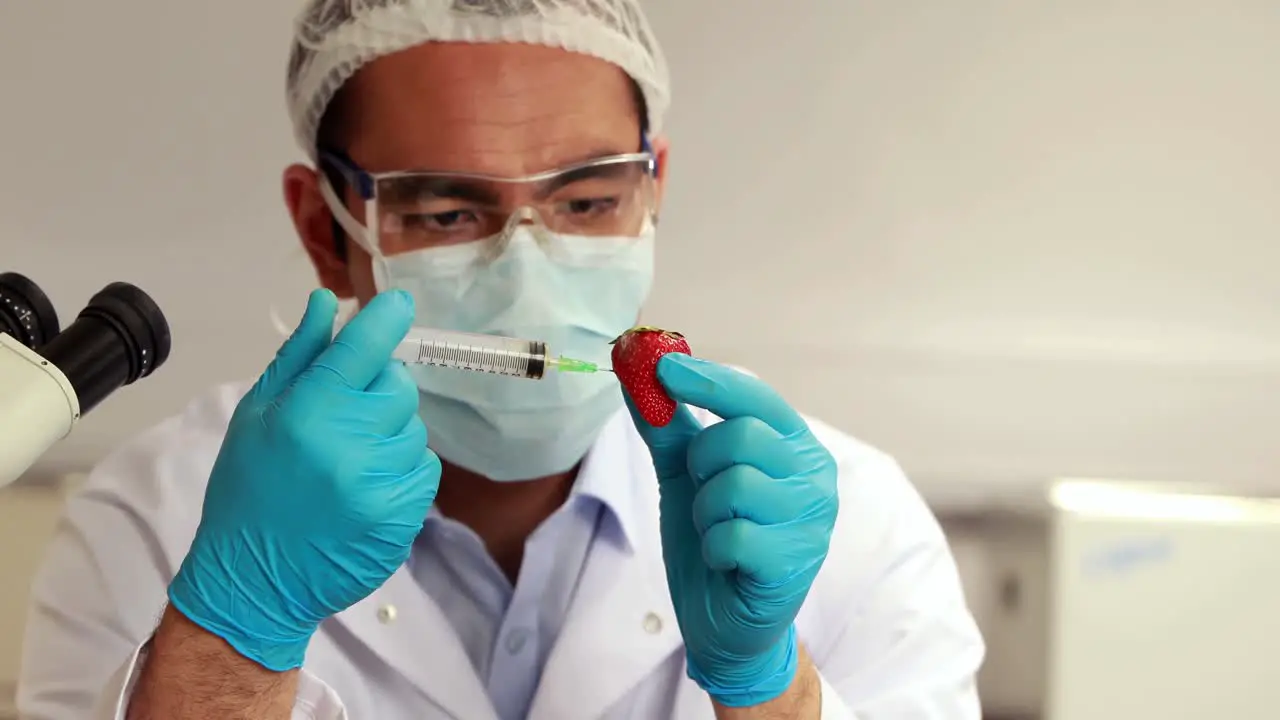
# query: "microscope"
50 377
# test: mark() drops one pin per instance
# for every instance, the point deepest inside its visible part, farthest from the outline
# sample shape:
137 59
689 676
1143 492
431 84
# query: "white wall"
1003 240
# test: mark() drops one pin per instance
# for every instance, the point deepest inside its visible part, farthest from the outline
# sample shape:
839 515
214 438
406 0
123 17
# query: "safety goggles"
612 197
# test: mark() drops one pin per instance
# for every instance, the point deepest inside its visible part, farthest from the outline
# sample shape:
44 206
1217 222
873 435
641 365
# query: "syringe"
486 353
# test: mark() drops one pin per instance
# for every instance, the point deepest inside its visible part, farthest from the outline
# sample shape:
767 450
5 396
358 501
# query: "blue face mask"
574 293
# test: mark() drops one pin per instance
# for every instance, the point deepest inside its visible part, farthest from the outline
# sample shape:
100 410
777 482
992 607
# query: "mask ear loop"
358 232
288 263
347 309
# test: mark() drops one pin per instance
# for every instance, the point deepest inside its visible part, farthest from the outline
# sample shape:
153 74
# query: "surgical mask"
574 292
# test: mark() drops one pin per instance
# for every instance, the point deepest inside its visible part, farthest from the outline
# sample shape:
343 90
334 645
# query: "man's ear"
661 151
314 224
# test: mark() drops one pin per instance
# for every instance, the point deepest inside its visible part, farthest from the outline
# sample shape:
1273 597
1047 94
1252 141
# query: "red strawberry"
635 361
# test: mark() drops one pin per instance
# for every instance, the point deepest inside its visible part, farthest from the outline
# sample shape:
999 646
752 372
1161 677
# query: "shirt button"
387 614
652 623
516 640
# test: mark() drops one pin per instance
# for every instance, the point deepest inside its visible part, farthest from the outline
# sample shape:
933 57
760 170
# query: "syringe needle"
565 364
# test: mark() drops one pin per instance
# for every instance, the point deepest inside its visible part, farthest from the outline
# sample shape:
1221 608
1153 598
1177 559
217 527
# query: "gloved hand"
747 509
322 484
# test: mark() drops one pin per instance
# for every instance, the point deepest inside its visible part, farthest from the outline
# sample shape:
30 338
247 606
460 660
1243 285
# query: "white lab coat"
886 621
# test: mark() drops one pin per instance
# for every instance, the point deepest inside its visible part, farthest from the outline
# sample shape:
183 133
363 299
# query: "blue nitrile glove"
747 510
322 483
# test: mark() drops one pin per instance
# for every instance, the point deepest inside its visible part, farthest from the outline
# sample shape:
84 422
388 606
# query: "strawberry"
635 361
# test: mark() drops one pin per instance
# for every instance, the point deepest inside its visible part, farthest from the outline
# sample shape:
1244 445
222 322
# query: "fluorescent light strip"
1128 500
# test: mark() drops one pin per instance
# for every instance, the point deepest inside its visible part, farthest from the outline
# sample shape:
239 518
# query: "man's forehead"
500 108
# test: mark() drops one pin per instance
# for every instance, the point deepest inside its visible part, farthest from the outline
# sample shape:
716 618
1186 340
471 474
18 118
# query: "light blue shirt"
508 632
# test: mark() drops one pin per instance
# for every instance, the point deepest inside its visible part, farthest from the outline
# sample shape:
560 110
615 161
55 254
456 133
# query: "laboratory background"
1030 249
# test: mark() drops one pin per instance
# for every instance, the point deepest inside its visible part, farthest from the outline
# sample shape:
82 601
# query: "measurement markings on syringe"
500 362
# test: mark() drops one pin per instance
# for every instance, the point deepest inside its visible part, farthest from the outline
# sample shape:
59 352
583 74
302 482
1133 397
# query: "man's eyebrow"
589 172
597 150
597 154
411 187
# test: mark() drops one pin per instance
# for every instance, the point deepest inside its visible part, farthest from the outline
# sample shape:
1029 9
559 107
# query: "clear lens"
610 198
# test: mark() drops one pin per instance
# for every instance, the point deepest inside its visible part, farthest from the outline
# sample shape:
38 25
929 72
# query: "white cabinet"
1127 602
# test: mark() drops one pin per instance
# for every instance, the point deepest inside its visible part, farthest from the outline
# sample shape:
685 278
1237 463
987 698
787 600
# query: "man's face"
506 109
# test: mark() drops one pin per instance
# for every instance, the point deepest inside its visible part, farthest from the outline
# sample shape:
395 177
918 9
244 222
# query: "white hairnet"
334 38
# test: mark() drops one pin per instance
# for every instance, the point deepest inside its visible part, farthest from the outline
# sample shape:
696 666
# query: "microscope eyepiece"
119 337
51 377
137 322
25 311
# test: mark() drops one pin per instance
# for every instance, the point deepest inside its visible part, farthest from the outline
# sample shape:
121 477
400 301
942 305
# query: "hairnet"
335 38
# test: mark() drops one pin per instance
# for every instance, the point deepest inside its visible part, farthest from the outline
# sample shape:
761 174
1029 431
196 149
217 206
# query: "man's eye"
441 222
587 207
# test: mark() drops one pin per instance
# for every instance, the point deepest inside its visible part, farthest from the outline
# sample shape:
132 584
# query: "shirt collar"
609 476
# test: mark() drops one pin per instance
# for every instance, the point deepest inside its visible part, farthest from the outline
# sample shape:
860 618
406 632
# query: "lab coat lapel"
621 624
402 625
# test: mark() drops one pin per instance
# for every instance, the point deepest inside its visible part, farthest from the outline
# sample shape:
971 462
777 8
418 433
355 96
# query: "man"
351 537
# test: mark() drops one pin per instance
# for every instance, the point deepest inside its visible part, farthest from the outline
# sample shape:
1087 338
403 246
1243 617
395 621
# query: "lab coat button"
652 624
387 614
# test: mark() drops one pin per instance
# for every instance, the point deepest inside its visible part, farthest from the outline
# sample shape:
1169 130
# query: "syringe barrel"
473 351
